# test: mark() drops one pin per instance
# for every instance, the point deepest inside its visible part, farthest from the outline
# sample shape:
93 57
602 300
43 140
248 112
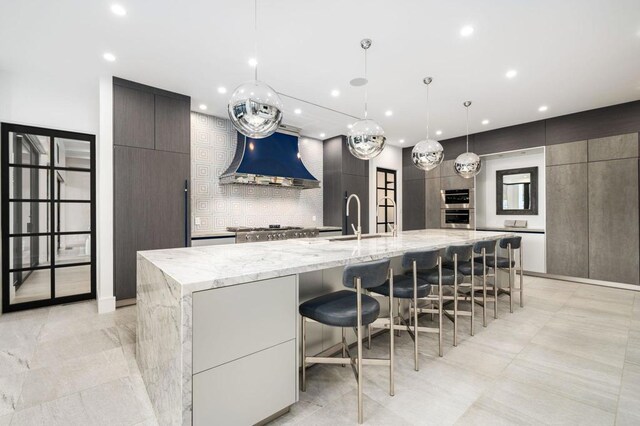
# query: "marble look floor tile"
16 359
151 421
633 347
629 401
532 405
54 352
588 340
52 382
116 402
6 419
73 311
59 329
10 389
20 332
479 415
40 314
483 359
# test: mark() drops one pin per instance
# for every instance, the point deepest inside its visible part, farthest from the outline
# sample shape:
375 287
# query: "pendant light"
365 139
427 154
468 164
255 109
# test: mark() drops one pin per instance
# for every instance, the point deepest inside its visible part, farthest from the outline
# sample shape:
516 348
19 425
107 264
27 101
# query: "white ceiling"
571 55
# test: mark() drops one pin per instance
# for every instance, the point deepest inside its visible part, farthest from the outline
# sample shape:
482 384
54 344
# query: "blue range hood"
271 161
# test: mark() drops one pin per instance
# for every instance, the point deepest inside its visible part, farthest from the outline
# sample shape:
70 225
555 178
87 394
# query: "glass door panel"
385 187
48 237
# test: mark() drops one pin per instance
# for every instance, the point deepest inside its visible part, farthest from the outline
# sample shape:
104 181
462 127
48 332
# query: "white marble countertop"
201 268
225 233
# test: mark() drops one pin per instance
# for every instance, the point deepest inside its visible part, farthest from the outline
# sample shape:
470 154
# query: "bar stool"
412 288
466 264
446 277
511 244
484 248
355 309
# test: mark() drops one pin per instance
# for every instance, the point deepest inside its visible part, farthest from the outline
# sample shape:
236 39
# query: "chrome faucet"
394 227
358 230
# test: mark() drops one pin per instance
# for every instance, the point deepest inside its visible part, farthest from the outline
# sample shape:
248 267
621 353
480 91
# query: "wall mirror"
517 191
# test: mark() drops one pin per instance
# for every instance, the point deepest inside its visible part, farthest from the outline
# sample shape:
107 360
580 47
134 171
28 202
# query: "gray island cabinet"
217 331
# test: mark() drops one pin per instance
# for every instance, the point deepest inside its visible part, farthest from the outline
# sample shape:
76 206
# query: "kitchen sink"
353 237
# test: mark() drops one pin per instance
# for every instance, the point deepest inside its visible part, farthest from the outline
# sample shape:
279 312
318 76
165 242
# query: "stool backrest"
371 274
489 246
464 252
514 241
425 259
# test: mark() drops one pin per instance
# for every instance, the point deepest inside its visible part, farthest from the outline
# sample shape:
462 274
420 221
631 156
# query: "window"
48 217
385 187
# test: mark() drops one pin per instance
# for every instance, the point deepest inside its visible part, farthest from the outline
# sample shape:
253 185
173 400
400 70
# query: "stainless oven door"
458 218
457 198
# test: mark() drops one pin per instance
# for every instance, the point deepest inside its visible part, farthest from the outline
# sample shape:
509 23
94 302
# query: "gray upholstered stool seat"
464 267
503 262
431 276
339 309
403 287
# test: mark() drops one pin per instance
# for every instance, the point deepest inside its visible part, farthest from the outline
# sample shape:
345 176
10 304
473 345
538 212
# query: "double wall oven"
457 208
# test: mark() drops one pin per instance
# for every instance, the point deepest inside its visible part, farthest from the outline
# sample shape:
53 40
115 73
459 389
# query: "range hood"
273 161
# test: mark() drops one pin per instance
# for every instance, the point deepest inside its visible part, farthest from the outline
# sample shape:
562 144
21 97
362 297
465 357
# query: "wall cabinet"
344 175
151 165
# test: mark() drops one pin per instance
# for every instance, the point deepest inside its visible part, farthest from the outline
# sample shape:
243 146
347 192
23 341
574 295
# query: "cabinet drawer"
248 390
231 322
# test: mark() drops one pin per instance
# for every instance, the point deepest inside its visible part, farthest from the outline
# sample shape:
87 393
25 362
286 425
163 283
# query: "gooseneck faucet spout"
394 227
358 230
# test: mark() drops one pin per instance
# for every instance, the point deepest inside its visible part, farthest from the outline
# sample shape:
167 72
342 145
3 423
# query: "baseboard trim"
589 281
125 302
106 305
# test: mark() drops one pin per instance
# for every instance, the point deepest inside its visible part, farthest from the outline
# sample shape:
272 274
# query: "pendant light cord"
255 36
366 89
467 127
427 112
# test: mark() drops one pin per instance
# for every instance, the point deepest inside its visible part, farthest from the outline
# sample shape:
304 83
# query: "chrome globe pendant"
366 138
427 154
255 109
468 164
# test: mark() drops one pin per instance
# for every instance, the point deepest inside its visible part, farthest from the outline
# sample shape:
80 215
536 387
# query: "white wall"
390 158
486 187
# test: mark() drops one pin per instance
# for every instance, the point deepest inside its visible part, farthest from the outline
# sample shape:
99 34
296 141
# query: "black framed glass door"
385 187
48 217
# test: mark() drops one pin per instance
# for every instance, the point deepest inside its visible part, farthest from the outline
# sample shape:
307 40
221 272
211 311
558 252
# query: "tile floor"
571 356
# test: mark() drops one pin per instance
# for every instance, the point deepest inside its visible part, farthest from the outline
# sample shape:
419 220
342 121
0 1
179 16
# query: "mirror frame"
533 209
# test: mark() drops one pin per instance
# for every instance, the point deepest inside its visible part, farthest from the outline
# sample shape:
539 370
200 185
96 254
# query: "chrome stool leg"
511 278
521 279
415 316
484 287
391 336
440 307
455 300
473 297
303 382
359 338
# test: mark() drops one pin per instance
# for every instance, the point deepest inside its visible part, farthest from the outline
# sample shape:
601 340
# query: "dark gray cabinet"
151 167
432 203
344 175
172 124
567 220
413 204
133 117
613 220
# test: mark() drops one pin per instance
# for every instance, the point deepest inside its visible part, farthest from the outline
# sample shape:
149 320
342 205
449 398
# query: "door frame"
5 130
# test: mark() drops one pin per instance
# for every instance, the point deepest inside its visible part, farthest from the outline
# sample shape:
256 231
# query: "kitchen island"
217 326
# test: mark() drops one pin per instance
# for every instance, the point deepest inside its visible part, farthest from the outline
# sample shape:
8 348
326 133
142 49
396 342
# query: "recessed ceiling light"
466 31
335 93
388 113
109 57
485 122
118 9
401 141
253 62
222 90
543 108
297 111
349 125
322 135
438 132
511 73
202 107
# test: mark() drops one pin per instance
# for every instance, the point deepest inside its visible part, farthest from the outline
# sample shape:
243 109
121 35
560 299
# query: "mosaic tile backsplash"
213 144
